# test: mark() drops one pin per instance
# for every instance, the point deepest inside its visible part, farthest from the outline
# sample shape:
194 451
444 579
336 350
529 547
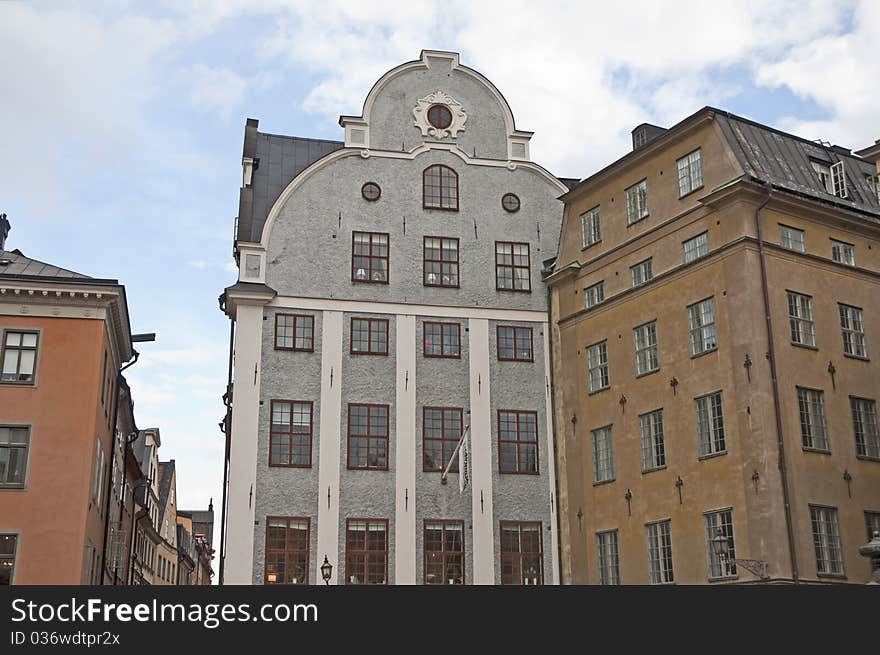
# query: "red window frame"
369 436
290 433
513 267
519 445
512 561
371 322
443 341
440 191
447 443
372 258
515 339
450 561
287 551
306 319
440 263
370 556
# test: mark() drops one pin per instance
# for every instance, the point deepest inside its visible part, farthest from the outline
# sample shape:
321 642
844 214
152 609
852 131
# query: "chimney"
4 231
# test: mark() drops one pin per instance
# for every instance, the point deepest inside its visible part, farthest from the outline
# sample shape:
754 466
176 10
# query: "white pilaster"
405 460
329 435
551 459
239 562
481 452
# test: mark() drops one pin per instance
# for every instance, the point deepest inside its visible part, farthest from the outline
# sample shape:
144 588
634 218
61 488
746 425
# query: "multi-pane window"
440 188
853 330
653 445
647 355
522 553
512 266
838 180
14 444
7 558
690 173
444 552
800 319
442 339
701 325
287 550
696 247
864 415
720 567
294 332
591 231
641 272
710 424
603 455
597 366
609 557
814 428
660 552
290 434
872 524
517 441
441 432
826 540
369 257
514 343
791 238
636 202
440 256
369 336
823 172
366 551
594 294
873 182
367 436
98 477
19 357
843 253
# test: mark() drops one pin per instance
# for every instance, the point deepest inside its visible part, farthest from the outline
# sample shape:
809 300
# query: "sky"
124 124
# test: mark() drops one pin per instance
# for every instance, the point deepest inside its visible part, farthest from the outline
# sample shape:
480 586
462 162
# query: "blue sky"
123 126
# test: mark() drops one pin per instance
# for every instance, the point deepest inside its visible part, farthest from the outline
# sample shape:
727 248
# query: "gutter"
552 411
226 428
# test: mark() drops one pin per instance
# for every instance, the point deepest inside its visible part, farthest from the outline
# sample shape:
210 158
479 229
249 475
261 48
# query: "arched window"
440 188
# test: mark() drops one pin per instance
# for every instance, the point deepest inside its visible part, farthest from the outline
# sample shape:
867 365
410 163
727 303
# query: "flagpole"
454 453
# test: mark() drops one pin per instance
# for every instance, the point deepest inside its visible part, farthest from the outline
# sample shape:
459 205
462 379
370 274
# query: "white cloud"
200 264
217 90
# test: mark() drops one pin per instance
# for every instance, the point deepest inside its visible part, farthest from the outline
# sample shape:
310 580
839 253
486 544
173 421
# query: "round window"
439 116
510 202
371 191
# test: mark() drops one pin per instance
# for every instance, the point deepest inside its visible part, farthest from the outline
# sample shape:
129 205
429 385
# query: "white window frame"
641 272
647 349
802 326
652 441
701 326
591 229
813 422
690 173
838 180
711 434
823 172
865 427
660 564
720 568
792 238
843 252
696 247
636 202
597 363
603 454
852 329
826 540
608 556
594 294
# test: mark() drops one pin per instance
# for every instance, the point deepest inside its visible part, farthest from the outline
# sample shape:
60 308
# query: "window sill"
601 482
647 373
16 383
705 352
816 451
653 470
440 286
857 357
724 578
294 350
832 576
12 487
692 191
442 209
805 345
514 290
441 356
519 472
638 220
353 281
289 466
590 245
868 458
358 353
366 468
720 453
593 393
513 359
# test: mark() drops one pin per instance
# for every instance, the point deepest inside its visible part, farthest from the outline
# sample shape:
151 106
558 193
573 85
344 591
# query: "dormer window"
440 188
823 171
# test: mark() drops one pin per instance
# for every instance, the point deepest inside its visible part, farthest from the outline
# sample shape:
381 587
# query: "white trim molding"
405 453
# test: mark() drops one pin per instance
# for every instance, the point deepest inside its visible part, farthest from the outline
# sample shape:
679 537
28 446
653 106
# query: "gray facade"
305 252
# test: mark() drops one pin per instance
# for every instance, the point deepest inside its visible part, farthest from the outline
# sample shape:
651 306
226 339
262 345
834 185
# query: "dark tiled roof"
570 182
19 265
166 473
785 161
278 160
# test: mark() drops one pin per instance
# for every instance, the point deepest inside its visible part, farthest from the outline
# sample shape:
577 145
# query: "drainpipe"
775 383
226 428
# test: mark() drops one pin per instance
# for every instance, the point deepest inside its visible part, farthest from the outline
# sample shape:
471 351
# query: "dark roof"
570 182
166 473
19 265
277 160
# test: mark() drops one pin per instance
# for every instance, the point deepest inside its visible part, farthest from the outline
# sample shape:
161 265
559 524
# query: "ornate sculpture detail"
420 113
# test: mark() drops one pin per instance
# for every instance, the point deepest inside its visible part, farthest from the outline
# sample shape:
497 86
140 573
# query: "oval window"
510 202
439 116
371 191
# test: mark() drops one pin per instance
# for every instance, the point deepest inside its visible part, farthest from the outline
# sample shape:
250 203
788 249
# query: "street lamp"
326 570
872 551
721 548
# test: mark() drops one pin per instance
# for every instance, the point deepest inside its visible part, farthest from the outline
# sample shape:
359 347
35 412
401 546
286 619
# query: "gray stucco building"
390 298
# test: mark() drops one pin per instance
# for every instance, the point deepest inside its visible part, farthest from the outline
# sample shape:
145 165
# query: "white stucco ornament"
456 125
